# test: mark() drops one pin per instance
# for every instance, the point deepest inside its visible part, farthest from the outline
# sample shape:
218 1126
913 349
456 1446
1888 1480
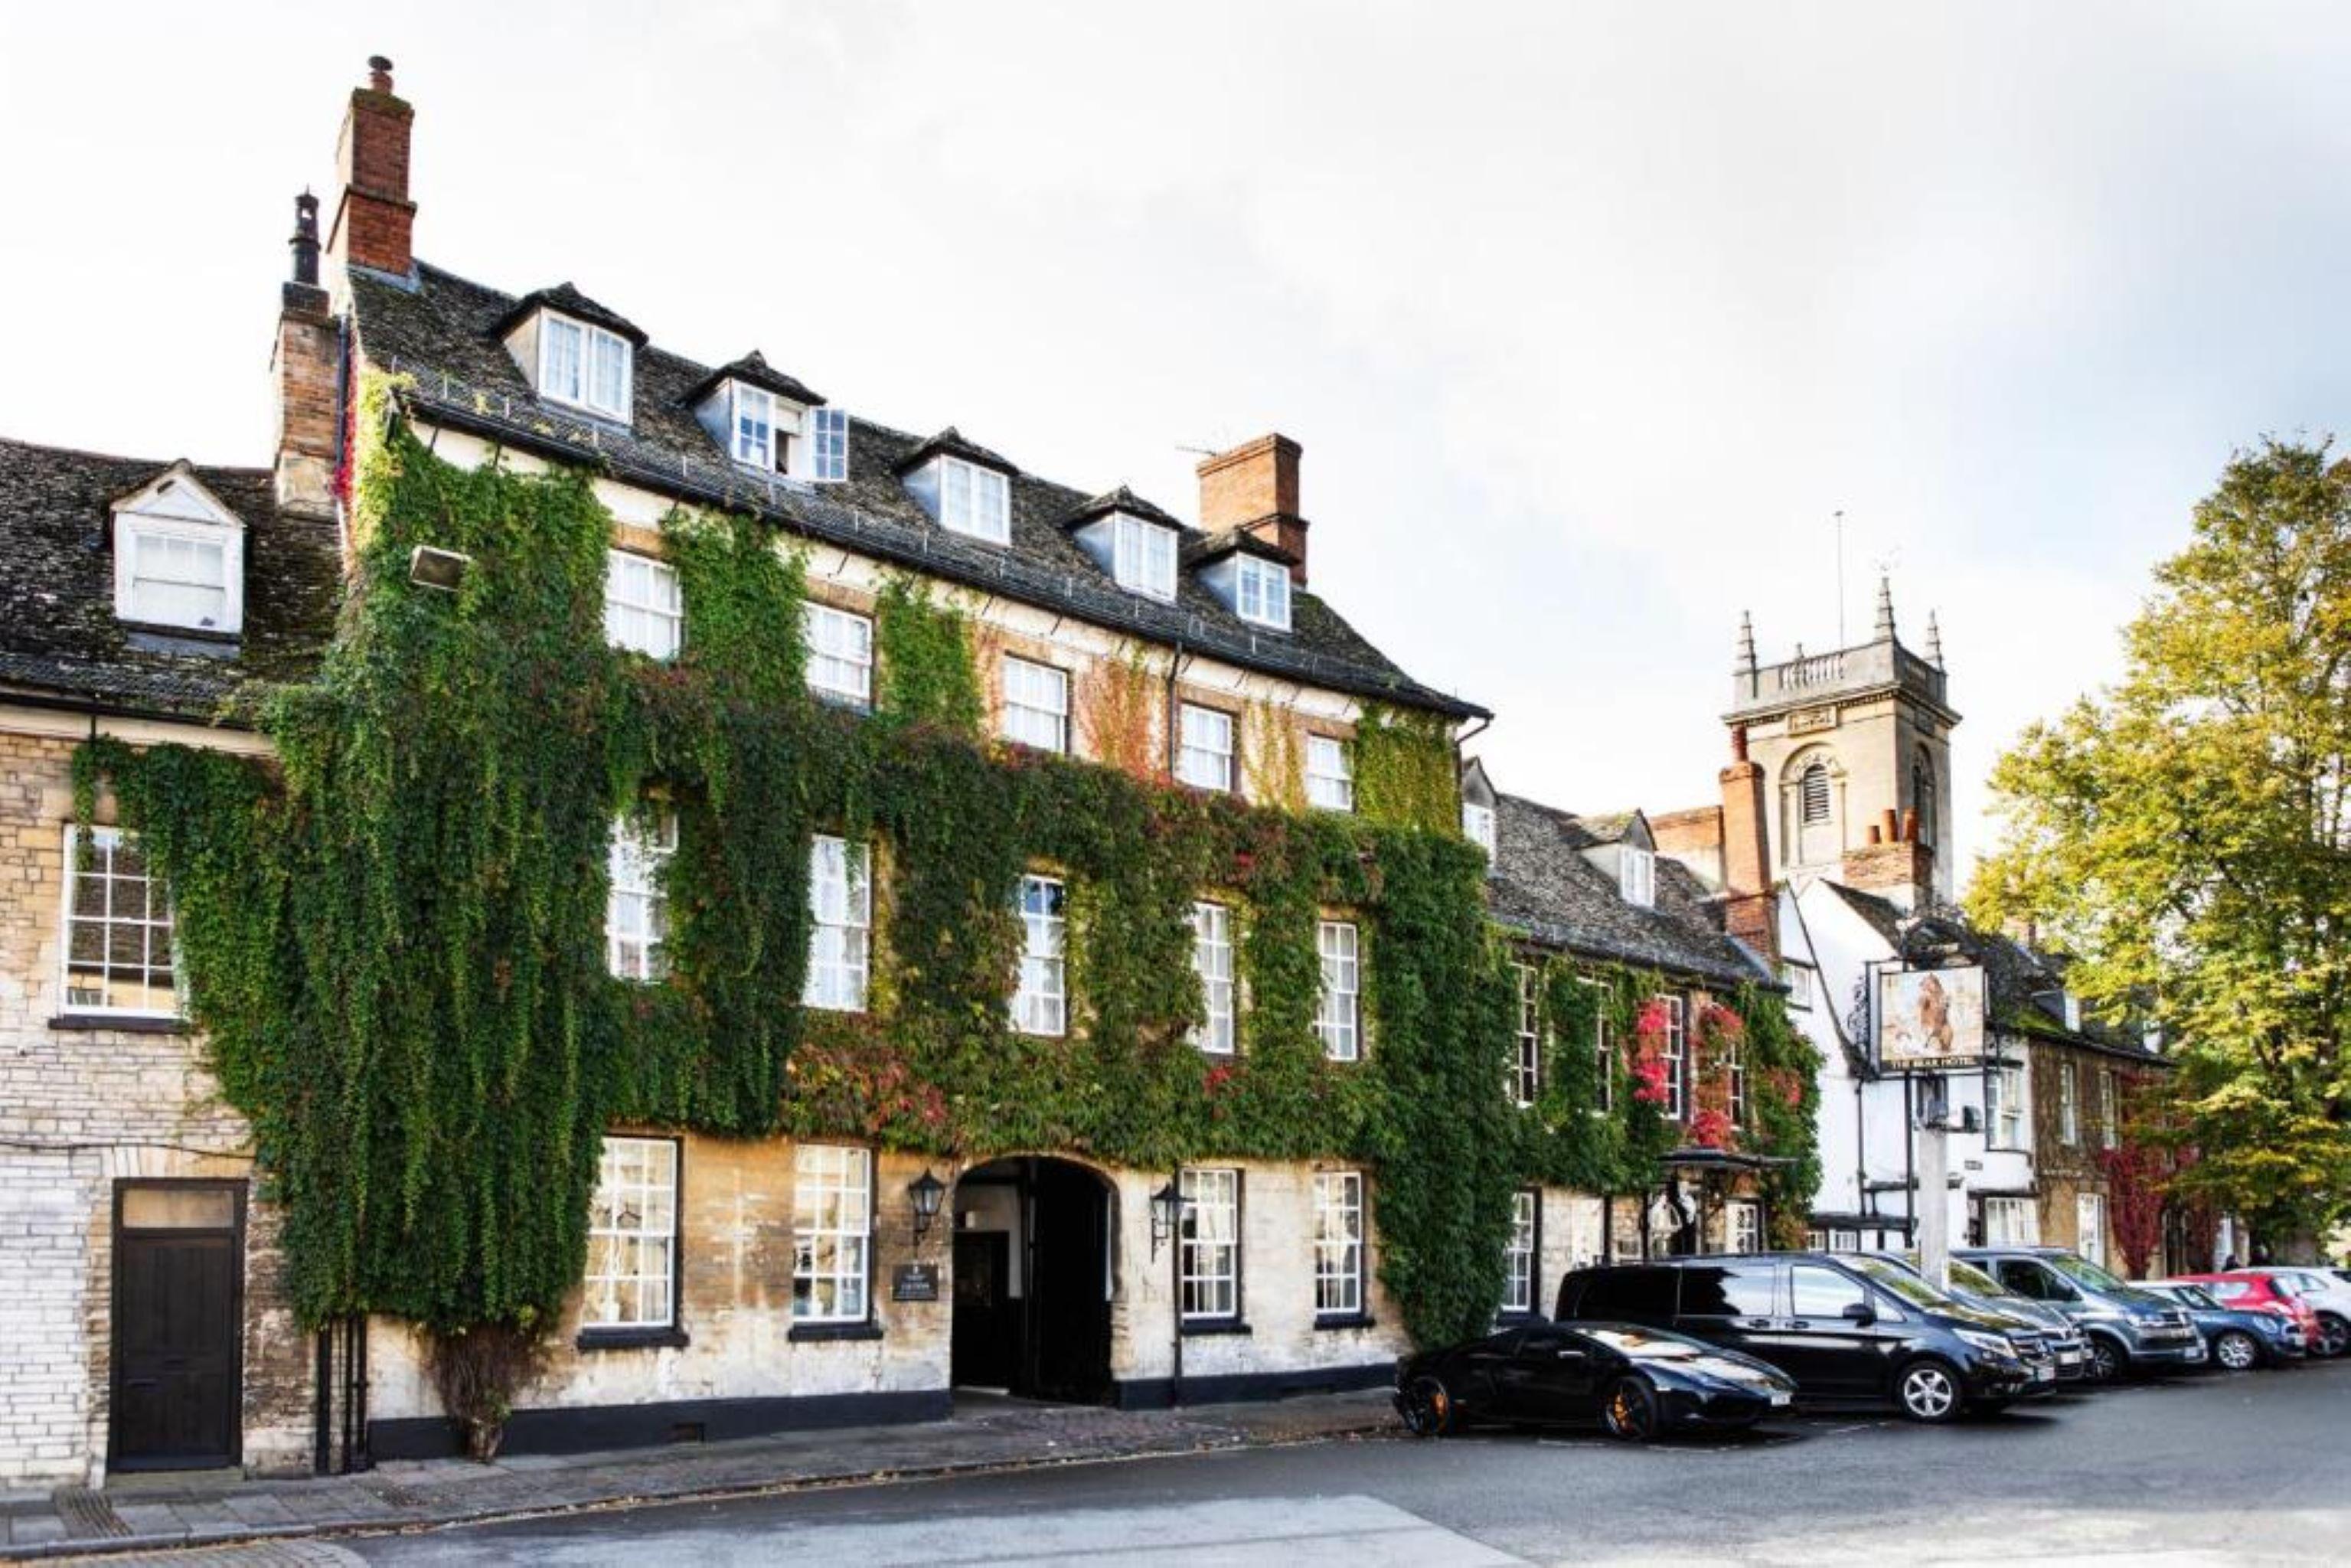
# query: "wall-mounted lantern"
925 1193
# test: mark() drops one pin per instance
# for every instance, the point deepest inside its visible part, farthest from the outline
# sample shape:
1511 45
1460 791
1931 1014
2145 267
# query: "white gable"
177 494
179 557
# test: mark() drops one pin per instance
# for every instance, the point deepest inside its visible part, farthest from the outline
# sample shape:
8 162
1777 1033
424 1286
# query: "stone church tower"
1852 750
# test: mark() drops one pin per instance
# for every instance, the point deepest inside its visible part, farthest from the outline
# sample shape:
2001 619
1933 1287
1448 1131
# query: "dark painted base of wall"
1152 1392
586 1428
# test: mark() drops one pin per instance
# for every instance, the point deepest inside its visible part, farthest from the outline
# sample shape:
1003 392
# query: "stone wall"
82 1110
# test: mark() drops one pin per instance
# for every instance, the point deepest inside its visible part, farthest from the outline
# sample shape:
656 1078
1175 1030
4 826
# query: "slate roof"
2024 987
576 304
1543 889
445 331
59 636
1125 500
753 369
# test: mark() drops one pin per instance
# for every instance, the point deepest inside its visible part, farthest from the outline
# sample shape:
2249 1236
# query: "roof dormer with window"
768 421
179 557
575 352
967 488
1249 576
1132 539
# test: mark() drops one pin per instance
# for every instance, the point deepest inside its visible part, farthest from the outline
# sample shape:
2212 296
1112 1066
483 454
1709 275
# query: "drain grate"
87 1513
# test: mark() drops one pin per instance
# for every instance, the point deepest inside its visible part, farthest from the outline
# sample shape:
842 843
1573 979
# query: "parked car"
1846 1334
1638 1382
1966 1283
2246 1291
2328 1296
2238 1338
2128 1330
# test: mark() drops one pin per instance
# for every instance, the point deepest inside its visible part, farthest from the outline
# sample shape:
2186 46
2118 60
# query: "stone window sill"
632 1339
819 1333
1202 1330
1346 1320
120 1023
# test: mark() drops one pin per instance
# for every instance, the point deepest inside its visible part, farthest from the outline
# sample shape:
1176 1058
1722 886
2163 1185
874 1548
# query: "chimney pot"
1892 824
1876 834
379 74
305 242
1910 827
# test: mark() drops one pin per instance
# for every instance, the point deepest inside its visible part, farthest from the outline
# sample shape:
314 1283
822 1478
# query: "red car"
2262 1293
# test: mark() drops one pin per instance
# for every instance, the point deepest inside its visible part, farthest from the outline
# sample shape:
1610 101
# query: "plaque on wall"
1803 721
914 1282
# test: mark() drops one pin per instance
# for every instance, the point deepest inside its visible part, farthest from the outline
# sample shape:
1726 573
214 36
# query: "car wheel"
1427 1408
2236 1350
1629 1410
1928 1391
2108 1361
2333 1334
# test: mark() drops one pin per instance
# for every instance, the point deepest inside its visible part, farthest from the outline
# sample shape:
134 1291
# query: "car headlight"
1999 1345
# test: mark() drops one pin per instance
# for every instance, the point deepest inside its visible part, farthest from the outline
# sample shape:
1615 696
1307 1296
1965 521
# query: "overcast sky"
1589 317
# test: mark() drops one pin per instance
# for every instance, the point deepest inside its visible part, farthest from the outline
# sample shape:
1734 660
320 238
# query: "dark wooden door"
986 1348
176 1363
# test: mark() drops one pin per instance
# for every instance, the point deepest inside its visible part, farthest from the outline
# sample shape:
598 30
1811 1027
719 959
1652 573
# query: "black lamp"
925 1192
1166 1205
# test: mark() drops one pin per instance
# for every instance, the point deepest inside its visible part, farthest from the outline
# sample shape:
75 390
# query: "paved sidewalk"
152 1515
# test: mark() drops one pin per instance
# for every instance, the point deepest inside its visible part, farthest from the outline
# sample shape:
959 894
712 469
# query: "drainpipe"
1176 1290
1175 671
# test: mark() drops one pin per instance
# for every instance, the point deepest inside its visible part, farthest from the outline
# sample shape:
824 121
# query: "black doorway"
179 1288
1033 1280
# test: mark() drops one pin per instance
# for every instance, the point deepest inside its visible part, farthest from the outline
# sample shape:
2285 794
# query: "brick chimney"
374 218
1749 912
1893 864
308 362
1254 487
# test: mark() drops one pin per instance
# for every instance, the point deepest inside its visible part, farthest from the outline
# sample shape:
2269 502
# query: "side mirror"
1859 1314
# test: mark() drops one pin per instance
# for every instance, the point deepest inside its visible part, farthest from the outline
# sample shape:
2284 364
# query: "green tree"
2184 834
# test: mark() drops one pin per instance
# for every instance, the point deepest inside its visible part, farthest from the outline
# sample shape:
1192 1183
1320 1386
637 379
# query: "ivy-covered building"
605 897
1661 1100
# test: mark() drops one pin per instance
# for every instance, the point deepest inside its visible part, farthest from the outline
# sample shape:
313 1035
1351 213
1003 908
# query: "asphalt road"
2211 1469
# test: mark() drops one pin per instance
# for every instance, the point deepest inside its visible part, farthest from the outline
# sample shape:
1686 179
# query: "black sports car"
1635 1382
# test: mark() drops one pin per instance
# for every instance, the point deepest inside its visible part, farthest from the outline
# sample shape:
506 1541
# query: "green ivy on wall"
1407 770
394 938
394 941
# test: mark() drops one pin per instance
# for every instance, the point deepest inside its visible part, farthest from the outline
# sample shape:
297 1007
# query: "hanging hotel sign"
1931 1018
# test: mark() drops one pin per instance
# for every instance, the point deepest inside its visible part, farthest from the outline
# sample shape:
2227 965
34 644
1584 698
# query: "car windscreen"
2081 1272
1966 1276
2194 1295
2231 1289
1898 1281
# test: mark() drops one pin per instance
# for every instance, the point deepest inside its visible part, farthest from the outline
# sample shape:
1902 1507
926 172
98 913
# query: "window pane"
1336 1019
632 1235
118 949
1821 1293
832 1203
1212 958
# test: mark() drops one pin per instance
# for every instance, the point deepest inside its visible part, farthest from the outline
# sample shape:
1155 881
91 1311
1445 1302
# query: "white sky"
1587 316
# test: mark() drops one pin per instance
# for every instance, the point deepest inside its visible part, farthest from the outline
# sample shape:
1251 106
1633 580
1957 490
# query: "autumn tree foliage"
2187 834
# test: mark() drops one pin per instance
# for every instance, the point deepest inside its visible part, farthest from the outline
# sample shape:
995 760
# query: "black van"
1848 1332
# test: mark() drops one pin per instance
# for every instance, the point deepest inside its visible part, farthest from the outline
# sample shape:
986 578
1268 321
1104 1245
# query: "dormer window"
755 427
975 501
1262 593
179 557
1144 557
584 366
1637 876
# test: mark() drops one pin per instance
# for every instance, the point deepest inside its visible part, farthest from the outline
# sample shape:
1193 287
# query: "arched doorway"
1032 1280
